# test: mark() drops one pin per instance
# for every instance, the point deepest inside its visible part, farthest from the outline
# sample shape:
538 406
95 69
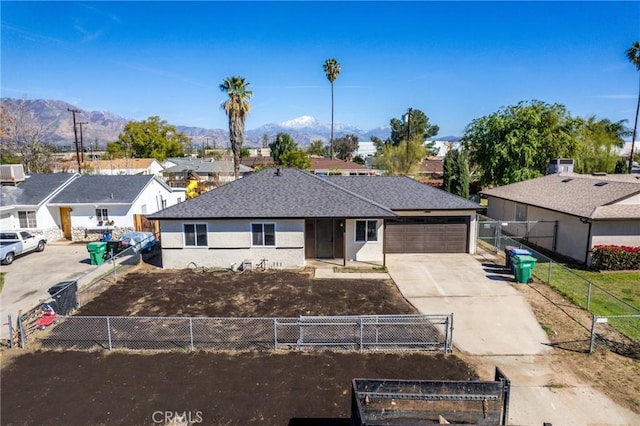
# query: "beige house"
287 216
589 210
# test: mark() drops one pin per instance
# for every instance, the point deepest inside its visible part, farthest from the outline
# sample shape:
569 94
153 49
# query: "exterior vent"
560 165
601 183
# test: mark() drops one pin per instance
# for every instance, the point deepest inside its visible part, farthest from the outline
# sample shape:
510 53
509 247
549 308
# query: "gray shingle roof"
205 166
578 195
403 193
35 189
117 189
292 194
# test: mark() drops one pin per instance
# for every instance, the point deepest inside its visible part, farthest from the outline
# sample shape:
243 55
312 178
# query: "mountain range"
102 126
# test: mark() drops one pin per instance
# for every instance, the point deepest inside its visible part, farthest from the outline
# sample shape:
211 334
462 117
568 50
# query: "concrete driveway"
495 324
29 277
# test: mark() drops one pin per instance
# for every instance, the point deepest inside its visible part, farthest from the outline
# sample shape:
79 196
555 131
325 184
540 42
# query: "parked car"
140 241
13 244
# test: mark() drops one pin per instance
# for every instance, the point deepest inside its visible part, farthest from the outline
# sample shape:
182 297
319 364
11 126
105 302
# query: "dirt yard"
285 388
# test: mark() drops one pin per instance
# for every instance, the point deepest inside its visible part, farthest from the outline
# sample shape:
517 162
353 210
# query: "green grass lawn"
574 284
1 280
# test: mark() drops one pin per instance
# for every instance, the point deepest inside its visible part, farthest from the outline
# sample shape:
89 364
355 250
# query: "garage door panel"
426 238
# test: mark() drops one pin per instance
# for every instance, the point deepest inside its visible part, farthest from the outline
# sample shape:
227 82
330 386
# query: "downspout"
588 248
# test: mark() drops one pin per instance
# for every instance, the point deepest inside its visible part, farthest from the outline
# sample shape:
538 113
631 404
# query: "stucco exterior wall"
370 251
616 232
229 243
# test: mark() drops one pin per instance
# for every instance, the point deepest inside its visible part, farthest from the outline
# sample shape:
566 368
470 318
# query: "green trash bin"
523 266
96 252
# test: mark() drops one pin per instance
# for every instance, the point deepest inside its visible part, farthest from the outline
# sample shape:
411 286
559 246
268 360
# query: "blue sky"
455 61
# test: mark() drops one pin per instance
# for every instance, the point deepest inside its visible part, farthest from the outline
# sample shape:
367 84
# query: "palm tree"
633 53
332 70
236 108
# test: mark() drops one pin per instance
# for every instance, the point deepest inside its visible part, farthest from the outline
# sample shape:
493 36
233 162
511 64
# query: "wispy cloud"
163 73
31 36
613 97
88 35
112 17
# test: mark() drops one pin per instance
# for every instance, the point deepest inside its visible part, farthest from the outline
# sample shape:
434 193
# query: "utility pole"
408 136
81 140
75 133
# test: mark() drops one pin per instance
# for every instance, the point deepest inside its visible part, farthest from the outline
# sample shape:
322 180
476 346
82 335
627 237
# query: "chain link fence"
363 333
618 322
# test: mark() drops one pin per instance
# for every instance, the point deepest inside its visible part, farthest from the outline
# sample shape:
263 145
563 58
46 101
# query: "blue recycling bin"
517 252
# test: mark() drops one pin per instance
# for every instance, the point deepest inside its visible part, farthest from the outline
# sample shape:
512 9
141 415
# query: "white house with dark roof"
24 204
589 210
91 205
287 216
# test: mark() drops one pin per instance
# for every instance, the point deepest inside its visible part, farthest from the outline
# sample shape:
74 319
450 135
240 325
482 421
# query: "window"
366 230
27 219
195 235
263 234
102 215
521 212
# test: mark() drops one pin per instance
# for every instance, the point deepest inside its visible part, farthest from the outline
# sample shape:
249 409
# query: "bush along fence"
616 258
609 309
363 333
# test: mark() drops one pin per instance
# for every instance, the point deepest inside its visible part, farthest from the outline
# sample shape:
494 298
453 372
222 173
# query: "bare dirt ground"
283 388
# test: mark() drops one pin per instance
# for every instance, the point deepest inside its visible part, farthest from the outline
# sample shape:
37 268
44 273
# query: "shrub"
616 258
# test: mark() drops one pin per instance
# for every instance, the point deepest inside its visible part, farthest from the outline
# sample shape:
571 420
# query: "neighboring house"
210 173
24 203
589 210
125 166
91 205
432 168
327 166
288 215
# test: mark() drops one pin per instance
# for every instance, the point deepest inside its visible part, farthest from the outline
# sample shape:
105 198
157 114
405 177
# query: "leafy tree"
516 142
332 70
413 125
244 153
401 159
621 167
236 107
598 142
633 54
114 150
317 148
358 159
295 158
456 176
281 145
345 146
151 138
21 139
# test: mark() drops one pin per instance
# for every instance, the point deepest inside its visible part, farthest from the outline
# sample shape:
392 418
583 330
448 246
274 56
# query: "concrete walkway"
493 321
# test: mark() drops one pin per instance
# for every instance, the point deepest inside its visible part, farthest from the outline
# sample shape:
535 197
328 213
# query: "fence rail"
363 333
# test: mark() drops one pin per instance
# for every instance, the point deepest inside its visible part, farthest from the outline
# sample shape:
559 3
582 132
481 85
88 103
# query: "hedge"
616 258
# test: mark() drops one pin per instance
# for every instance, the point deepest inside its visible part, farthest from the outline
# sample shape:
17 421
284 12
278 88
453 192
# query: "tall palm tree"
332 70
236 108
633 53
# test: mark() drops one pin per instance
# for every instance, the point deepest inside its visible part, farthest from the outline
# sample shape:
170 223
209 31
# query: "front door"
65 222
324 238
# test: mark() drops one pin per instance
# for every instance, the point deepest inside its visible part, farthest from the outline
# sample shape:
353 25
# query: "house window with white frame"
27 219
366 230
263 234
102 215
521 212
195 235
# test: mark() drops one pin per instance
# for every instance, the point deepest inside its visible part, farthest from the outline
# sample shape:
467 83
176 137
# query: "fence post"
113 260
589 297
550 268
594 321
361 333
275 333
10 332
191 332
109 334
23 336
